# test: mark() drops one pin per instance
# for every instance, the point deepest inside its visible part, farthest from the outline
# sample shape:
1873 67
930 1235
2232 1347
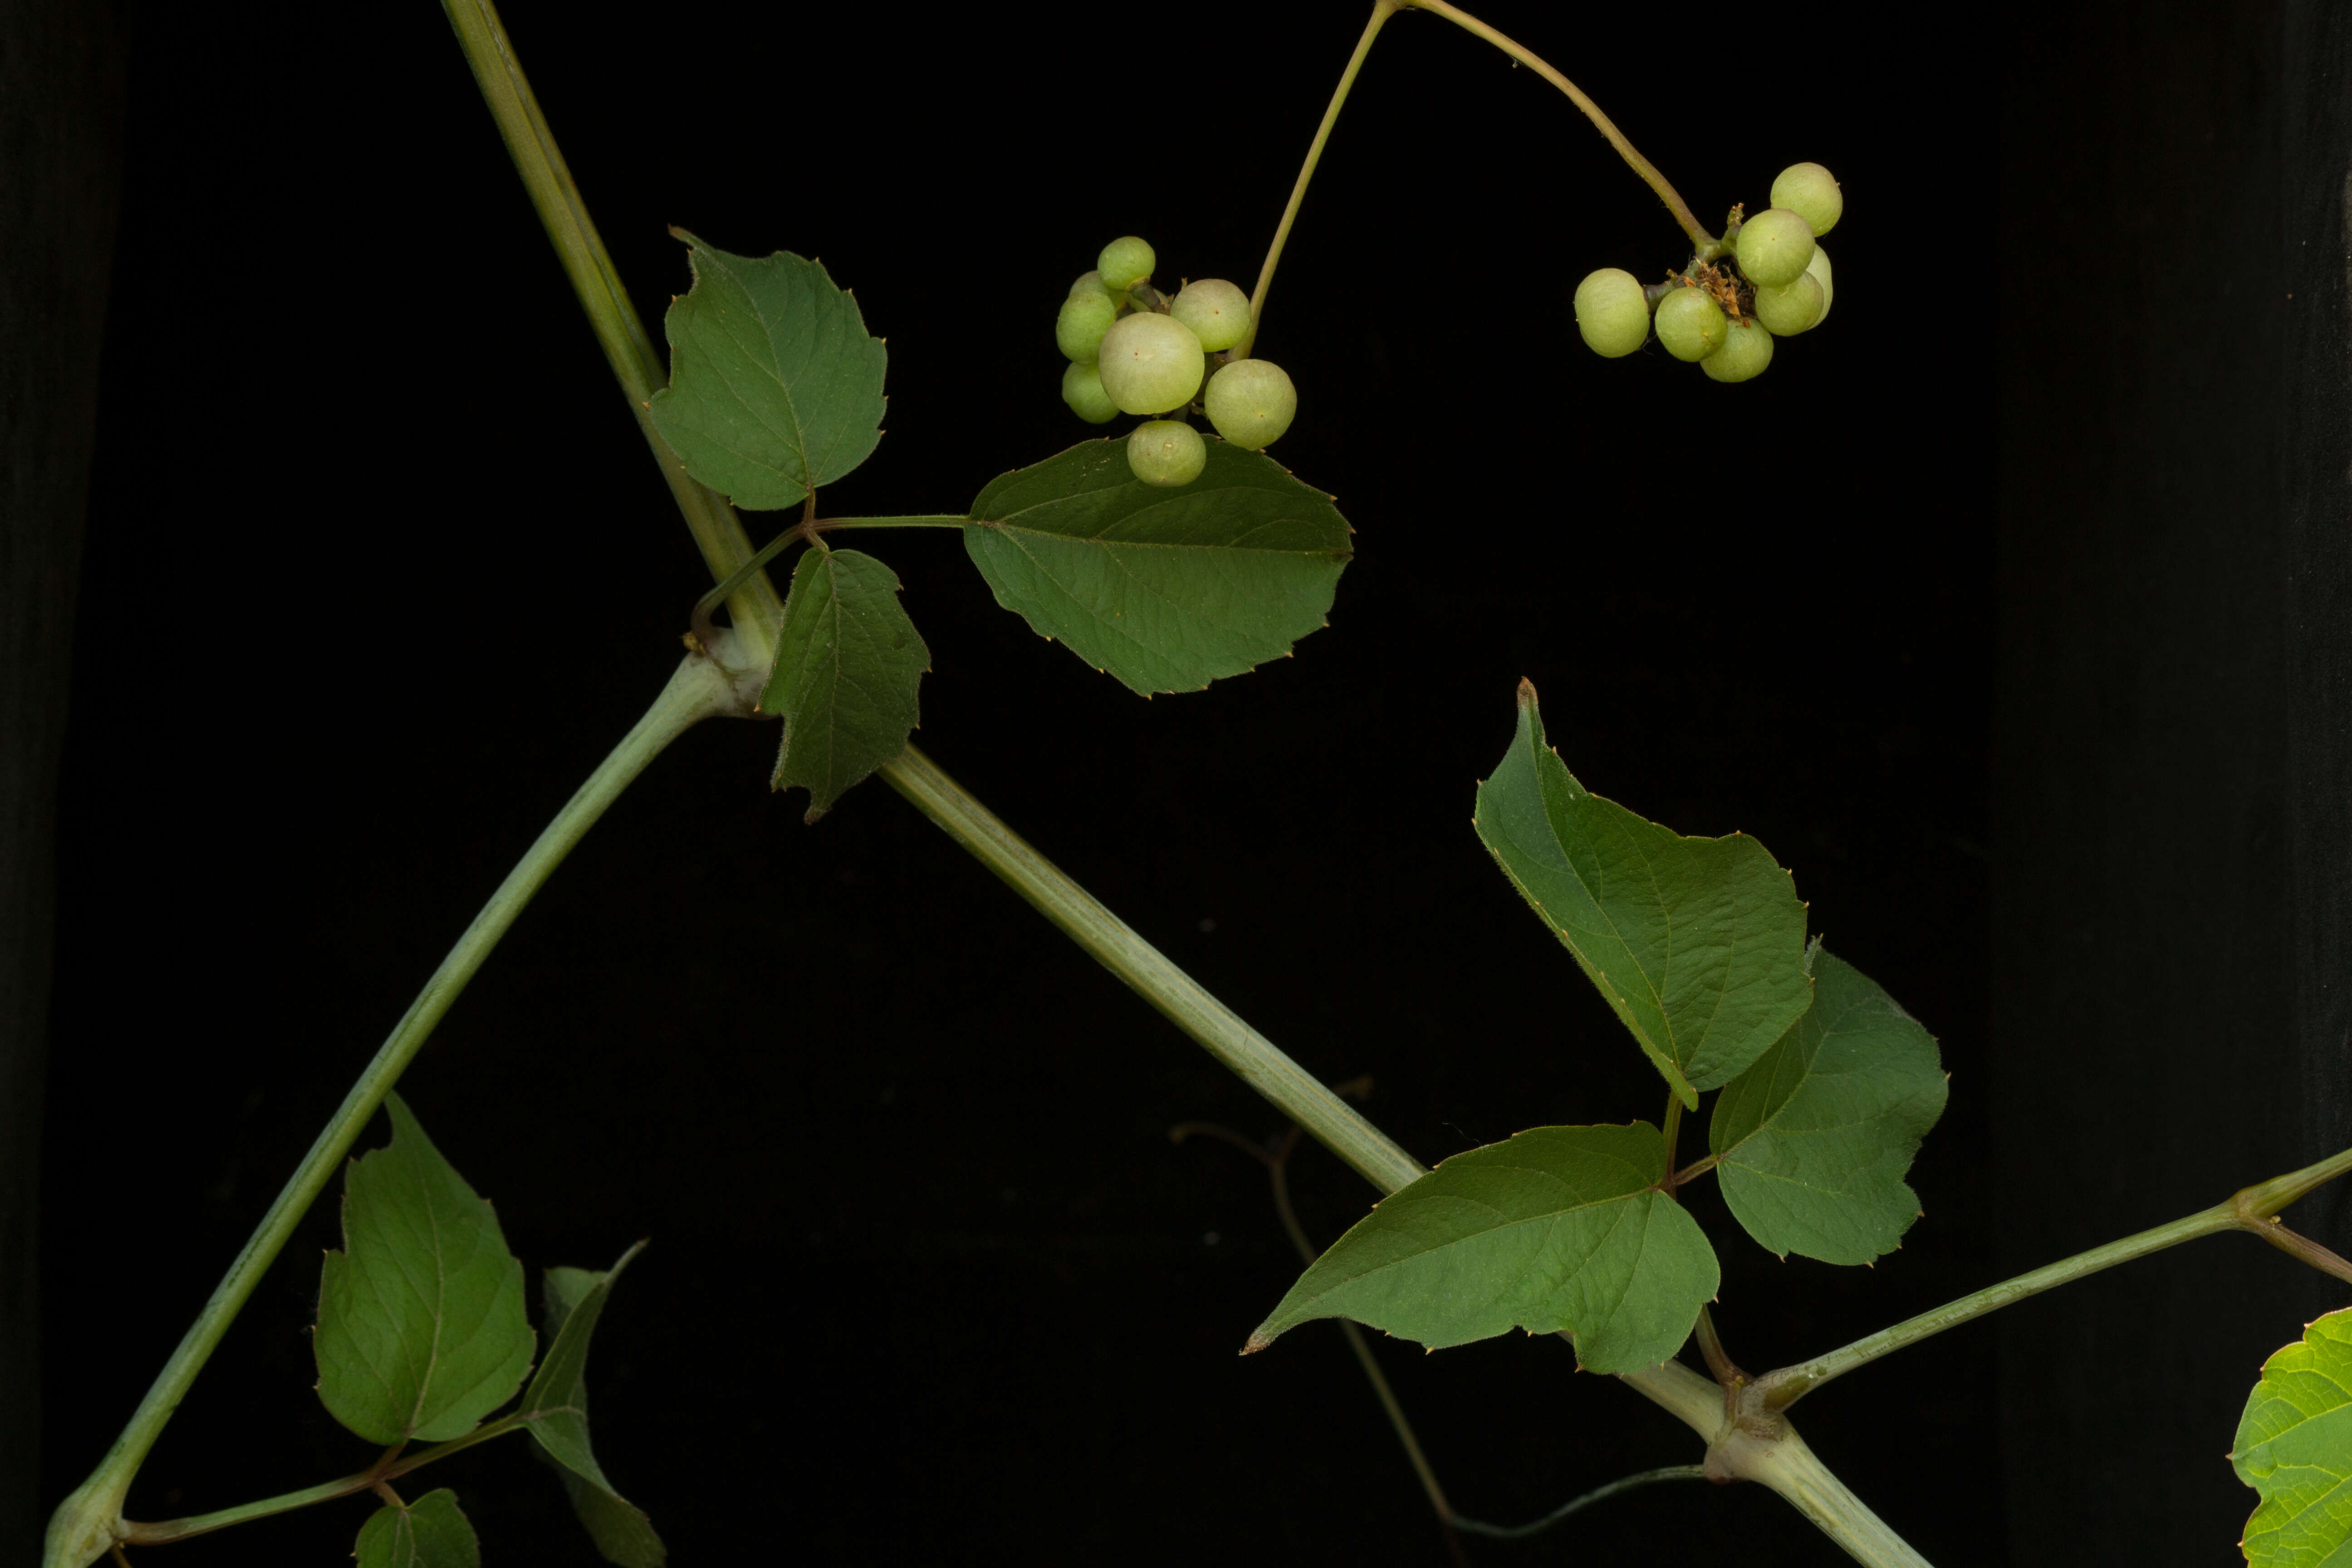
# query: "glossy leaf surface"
555 1409
2294 1447
423 1328
1697 943
430 1532
775 386
849 664
1167 588
1816 1138
1555 1229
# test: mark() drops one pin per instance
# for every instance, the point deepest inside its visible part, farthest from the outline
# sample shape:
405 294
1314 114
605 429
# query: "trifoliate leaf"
1167 588
556 1409
1816 1137
2294 1447
1697 943
422 1325
775 387
1558 1228
431 1532
848 667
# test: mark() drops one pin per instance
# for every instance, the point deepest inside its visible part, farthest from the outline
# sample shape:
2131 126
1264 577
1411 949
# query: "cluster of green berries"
1724 321
1133 350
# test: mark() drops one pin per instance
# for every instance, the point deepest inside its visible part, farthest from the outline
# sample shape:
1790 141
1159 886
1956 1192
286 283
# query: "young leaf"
1167 588
431 1532
1698 944
1558 1228
1816 1137
848 662
422 1327
2294 1447
556 1410
775 387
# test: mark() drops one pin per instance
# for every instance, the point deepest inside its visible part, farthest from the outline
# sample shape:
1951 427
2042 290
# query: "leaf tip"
1527 693
1259 1339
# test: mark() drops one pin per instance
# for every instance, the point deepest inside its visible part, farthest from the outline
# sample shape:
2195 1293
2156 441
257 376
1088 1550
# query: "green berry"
1217 311
1810 191
1690 324
1612 312
1078 329
1251 402
1774 246
1820 269
1082 389
1167 452
1091 283
1747 350
1126 261
1150 363
1791 309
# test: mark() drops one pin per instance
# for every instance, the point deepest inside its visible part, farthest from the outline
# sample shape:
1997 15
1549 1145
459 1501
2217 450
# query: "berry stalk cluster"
1134 350
1724 319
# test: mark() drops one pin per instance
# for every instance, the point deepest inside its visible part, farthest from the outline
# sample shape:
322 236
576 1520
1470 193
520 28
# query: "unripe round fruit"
1819 268
1690 325
1251 402
1167 452
1091 283
1612 312
1126 261
1082 389
1747 350
1791 309
1078 329
1217 311
1809 191
1774 246
1150 363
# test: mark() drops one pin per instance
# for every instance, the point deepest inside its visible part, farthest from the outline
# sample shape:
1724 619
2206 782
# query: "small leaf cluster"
423 1332
1725 318
1168 566
1133 350
1826 1087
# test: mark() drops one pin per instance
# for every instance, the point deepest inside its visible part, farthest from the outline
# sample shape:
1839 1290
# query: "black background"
378 568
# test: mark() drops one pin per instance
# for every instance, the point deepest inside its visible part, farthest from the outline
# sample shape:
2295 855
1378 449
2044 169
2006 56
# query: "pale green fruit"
1126 261
1150 363
1747 350
1167 452
1774 246
1082 389
1819 267
1217 311
1792 308
1810 191
1690 325
1078 329
1091 283
1251 402
1612 312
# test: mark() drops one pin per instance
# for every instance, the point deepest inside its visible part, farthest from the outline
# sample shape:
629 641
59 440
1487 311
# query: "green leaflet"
1167 588
1816 1137
2294 1447
775 387
422 1327
556 1410
1555 1229
1698 944
431 1532
848 664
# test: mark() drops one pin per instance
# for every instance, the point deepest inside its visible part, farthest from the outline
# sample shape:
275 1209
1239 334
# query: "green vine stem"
619 329
89 1521
383 1473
